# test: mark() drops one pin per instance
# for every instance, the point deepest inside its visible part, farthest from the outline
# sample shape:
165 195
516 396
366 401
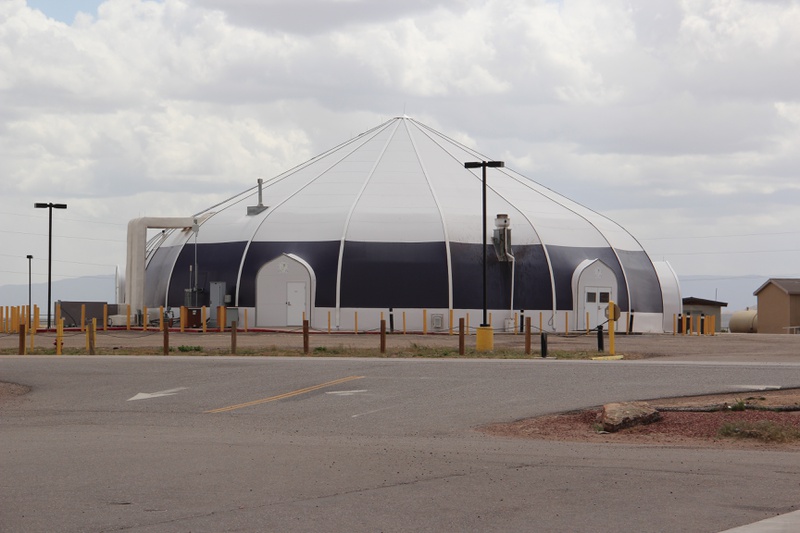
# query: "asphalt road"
304 444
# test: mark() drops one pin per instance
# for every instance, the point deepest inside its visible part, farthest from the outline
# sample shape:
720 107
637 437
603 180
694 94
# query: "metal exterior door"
295 303
596 302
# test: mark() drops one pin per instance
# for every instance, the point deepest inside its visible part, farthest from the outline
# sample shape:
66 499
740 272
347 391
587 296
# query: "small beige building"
695 307
779 306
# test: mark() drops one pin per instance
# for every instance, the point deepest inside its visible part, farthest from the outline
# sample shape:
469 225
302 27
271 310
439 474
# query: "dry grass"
761 430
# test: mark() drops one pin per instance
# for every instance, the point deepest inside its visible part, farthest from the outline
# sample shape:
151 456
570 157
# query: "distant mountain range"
85 289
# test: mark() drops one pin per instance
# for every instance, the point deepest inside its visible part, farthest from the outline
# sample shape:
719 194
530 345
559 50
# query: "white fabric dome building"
391 220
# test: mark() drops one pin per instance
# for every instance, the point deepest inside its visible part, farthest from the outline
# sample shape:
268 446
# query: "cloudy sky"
678 119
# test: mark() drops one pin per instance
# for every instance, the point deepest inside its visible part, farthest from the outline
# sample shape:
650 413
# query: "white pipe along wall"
137 240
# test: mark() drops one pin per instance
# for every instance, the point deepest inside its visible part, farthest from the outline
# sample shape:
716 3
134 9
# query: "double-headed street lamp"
49 206
485 337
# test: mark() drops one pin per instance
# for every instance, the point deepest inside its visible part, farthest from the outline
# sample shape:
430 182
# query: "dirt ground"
687 421
729 347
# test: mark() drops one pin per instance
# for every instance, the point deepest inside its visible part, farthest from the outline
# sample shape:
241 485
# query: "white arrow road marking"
758 387
148 395
346 392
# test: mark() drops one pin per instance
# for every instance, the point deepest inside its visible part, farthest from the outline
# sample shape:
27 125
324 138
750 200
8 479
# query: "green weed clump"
184 348
763 430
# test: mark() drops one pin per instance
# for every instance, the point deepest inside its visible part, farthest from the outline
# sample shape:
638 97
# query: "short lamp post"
485 337
49 206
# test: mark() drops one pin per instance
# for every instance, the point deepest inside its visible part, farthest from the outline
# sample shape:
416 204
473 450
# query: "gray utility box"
231 316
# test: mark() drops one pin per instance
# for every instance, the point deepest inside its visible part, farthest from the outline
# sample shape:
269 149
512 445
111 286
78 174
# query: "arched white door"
284 292
594 284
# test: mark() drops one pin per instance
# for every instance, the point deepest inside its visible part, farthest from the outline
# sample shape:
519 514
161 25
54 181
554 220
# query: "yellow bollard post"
36 320
160 318
88 334
587 322
144 319
329 322
203 317
83 318
566 323
713 325
182 318
424 321
356 322
451 321
105 317
516 323
128 317
94 331
484 338
540 322
33 331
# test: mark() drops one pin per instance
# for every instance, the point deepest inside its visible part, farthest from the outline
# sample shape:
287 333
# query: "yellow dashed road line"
285 395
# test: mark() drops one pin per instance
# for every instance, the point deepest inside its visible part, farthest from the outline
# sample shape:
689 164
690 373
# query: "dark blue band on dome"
410 275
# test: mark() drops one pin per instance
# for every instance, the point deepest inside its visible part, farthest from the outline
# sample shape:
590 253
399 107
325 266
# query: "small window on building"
604 297
591 297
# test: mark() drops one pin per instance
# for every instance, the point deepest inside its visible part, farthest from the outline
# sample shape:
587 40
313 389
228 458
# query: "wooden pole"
383 336
233 337
59 336
22 338
166 341
305 337
527 335
91 340
461 333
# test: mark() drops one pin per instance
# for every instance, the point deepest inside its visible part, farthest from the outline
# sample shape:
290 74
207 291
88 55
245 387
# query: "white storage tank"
744 322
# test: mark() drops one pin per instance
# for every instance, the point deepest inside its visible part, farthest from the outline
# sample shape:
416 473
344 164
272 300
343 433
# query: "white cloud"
671 116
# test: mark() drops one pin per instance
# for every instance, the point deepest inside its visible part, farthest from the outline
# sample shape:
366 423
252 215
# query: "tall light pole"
49 206
485 341
29 256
